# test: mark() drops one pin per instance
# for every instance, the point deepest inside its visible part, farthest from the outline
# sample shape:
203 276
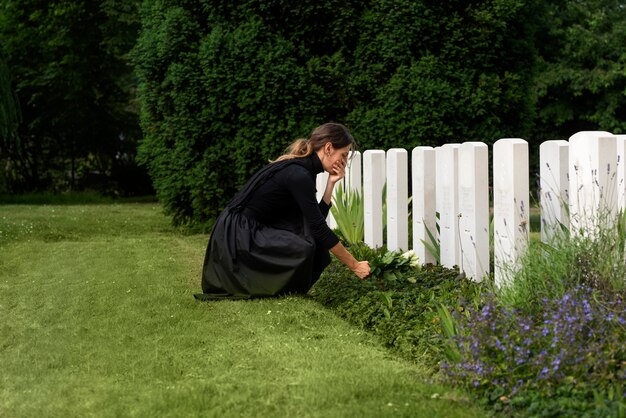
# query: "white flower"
412 257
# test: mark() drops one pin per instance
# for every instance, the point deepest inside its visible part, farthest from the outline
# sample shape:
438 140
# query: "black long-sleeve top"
283 200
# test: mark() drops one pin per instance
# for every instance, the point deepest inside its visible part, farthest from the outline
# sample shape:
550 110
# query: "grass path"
98 319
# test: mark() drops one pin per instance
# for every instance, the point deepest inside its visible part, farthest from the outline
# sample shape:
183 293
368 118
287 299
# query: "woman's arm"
339 171
360 268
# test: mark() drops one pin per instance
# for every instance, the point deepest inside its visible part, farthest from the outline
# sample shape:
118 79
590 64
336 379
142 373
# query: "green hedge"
225 87
403 314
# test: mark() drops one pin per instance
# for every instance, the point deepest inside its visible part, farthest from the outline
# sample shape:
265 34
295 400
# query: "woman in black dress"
272 237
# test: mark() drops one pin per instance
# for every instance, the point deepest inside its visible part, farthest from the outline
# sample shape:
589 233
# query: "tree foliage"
74 90
225 87
582 80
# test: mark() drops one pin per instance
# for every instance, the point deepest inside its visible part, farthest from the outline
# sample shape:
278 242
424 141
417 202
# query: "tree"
74 87
9 121
582 79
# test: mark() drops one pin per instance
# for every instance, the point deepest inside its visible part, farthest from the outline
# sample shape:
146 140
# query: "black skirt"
247 259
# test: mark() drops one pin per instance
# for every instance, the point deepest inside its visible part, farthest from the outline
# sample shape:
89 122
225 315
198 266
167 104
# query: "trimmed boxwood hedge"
226 86
403 314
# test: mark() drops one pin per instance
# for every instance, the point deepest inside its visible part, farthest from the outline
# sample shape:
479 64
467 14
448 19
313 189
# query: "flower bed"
557 354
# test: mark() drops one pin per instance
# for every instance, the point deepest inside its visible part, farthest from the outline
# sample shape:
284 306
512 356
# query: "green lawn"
98 319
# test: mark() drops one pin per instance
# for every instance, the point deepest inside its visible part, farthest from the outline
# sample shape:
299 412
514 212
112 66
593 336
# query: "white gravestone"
423 171
320 185
592 181
373 183
510 206
353 178
621 172
474 209
448 203
553 186
397 200
438 193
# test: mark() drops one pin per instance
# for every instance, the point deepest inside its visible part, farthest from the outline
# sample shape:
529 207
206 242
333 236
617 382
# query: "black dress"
272 238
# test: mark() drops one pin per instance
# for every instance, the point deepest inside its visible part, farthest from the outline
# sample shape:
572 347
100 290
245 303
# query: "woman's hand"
338 171
362 269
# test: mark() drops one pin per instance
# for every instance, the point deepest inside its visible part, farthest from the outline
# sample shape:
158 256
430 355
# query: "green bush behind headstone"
226 86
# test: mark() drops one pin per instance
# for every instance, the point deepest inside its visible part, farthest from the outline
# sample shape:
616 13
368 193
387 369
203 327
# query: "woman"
272 238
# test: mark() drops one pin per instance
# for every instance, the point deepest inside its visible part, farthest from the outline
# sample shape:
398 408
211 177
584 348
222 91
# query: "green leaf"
348 210
432 245
386 299
390 276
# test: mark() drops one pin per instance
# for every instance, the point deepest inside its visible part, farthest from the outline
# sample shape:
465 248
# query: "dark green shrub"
401 309
224 87
224 91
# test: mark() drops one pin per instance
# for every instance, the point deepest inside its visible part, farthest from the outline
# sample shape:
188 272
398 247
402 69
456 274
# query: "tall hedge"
225 86
437 72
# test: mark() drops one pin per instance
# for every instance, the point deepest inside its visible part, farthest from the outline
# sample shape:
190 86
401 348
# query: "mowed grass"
98 319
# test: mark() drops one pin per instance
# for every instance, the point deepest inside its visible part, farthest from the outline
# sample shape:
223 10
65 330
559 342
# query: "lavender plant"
549 270
571 348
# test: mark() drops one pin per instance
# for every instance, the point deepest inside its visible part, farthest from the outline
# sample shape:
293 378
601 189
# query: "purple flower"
579 335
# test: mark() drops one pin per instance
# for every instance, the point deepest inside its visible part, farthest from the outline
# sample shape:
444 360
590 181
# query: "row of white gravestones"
453 181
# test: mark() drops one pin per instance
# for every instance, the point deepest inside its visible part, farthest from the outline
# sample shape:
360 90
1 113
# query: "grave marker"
397 200
593 181
553 185
447 186
510 206
374 173
474 209
424 185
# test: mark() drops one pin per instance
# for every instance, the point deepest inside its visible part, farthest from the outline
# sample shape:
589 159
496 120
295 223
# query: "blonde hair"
299 148
335 133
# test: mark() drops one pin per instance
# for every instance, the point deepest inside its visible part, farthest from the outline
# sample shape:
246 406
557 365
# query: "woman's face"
336 158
